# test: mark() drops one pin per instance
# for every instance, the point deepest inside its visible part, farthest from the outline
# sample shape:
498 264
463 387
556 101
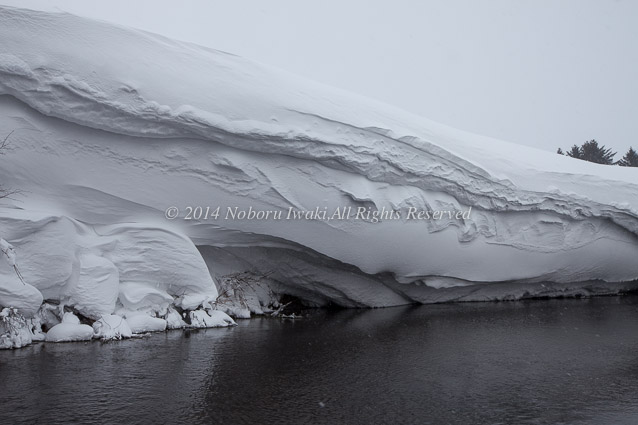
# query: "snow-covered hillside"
113 125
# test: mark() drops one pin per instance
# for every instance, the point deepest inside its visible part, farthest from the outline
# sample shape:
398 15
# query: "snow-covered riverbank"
119 134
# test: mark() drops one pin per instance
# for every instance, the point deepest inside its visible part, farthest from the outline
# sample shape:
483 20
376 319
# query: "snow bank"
101 269
115 125
14 292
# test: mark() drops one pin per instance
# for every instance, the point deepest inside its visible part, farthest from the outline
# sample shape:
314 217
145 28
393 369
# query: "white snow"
174 320
115 125
135 295
111 326
96 290
50 315
16 330
243 293
210 319
69 330
14 292
8 251
100 270
141 323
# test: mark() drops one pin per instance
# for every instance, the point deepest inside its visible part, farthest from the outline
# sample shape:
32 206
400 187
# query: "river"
572 361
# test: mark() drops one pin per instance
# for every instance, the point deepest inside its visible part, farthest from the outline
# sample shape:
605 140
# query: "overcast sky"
543 73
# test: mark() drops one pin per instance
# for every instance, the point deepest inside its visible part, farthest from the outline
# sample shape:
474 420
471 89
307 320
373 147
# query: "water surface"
537 362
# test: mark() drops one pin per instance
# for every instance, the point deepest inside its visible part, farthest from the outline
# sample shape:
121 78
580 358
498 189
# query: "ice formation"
112 126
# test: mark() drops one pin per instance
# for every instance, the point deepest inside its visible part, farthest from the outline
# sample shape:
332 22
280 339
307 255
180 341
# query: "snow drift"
113 125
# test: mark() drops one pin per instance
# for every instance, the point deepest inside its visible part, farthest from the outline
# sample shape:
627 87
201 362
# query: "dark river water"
536 362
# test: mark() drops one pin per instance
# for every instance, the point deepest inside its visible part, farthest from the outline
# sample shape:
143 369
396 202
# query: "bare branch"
3 192
4 142
9 193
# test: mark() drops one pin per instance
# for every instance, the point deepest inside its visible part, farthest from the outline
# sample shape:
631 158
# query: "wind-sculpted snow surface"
112 126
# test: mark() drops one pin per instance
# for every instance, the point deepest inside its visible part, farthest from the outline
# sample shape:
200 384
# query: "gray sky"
544 73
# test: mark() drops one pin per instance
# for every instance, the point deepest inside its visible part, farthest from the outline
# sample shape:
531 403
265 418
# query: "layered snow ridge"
112 126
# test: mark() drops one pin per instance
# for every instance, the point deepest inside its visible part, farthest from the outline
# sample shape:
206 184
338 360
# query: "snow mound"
115 125
210 319
141 323
69 330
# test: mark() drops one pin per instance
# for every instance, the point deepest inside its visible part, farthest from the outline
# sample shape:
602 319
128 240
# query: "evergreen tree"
590 151
630 159
575 152
599 154
560 151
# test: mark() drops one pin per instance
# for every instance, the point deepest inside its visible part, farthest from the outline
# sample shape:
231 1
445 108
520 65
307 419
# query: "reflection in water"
559 361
